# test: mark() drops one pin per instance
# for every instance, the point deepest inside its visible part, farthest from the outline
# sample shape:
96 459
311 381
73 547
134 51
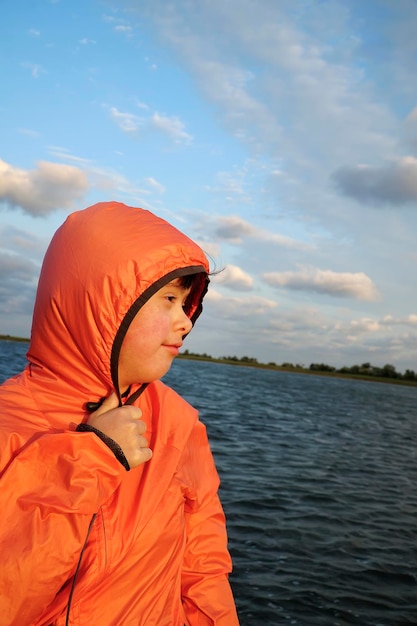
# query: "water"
319 484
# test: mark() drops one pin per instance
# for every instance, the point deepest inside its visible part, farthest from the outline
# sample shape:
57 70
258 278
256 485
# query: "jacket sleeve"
49 493
206 593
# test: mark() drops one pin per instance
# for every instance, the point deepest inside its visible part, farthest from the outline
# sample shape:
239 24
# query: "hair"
189 280
197 286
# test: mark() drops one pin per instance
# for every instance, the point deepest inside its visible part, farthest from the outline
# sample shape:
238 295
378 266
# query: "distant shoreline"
11 338
268 366
299 370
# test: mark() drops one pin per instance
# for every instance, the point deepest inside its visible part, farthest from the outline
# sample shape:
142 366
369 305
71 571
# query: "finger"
111 402
140 427
147 454
134 413
143 442
143 455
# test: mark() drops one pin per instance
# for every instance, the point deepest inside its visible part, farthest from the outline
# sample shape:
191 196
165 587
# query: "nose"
184 322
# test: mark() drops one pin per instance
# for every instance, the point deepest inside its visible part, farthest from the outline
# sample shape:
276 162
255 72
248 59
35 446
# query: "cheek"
146 334
154 328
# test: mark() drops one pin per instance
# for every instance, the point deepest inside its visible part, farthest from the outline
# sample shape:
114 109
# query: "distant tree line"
12 338
366 369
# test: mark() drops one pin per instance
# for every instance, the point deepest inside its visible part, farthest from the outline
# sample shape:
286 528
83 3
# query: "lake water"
319 485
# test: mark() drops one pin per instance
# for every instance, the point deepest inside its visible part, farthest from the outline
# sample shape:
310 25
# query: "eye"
171 299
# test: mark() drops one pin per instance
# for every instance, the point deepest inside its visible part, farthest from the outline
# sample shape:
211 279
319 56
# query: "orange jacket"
152 540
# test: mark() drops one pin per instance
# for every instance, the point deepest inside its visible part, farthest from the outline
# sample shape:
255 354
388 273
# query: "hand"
124 426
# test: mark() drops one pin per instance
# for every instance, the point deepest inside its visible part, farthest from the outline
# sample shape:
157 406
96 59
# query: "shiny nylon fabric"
99 263
157 551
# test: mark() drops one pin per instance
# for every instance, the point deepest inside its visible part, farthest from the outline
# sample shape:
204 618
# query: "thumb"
106 404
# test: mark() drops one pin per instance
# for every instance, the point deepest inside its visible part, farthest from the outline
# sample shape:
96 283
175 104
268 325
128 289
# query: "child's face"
154 337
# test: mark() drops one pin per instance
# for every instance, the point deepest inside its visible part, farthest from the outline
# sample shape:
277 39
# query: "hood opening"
194 308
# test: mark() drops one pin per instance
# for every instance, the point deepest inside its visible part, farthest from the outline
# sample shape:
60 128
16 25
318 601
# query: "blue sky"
279 134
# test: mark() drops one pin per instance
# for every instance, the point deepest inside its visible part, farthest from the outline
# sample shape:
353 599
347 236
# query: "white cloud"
18 279
49 187
171 126
212 250
236 230
35 69
155 185
394 183
142 105
364 325
15 267
234 278
340 284
412 116
62 153
231 187
22 244
238 308
110 180
29 133
276 74
270 98
123 28
127 122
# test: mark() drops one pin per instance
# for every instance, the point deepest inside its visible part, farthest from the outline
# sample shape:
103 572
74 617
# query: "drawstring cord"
90 407
74 580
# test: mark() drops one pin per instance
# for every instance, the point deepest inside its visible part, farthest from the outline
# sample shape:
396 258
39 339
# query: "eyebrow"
176 283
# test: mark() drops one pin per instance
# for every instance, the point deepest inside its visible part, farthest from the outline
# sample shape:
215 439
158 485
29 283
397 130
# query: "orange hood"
101 266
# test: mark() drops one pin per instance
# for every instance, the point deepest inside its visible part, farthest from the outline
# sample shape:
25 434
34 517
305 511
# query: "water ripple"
319 487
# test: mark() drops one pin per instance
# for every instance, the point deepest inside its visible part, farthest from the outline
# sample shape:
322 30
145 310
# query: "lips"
174 348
